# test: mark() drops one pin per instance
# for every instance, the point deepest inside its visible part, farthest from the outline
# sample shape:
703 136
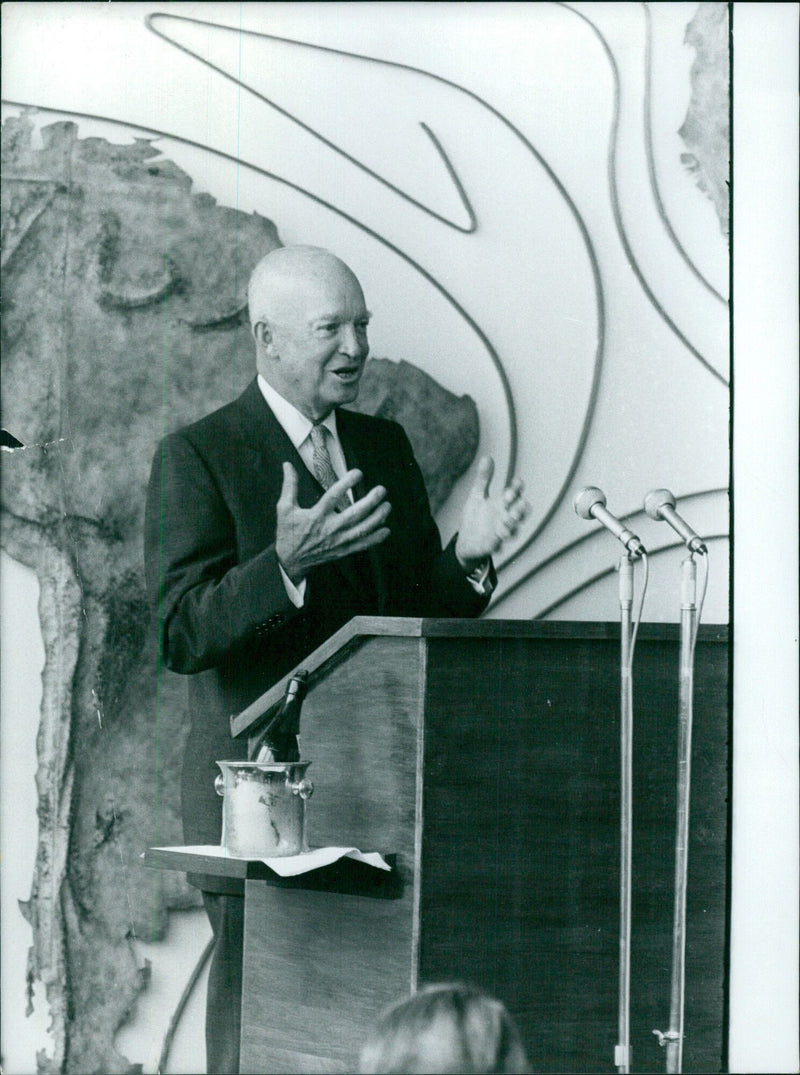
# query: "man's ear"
262 334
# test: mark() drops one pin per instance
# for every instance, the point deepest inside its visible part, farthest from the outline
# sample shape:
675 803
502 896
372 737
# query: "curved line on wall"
473 222
185 997
582 228
605 573
493 355
651 164
623 236
520 582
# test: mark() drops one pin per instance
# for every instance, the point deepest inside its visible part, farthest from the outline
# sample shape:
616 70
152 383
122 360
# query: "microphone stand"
673 1038
622 1048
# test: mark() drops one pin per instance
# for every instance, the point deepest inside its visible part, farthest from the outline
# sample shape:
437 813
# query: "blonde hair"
448 1027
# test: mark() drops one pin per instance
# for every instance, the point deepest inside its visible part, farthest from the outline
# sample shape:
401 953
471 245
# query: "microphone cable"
638 620
702 601
629 631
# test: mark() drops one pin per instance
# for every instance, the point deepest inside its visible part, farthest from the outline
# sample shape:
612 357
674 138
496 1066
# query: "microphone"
590 503
660 504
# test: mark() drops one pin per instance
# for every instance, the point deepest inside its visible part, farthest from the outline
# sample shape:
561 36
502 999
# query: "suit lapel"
358 456
255 423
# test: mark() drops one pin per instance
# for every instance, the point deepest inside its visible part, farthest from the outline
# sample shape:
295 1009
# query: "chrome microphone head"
587 499
656 500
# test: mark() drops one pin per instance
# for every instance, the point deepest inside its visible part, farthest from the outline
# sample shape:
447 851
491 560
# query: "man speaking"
272 522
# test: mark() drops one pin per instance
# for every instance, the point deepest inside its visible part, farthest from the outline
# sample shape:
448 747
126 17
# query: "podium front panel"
320 966
520 850
486 757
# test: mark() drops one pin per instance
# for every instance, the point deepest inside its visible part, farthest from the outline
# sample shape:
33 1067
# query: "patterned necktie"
321 461
326 476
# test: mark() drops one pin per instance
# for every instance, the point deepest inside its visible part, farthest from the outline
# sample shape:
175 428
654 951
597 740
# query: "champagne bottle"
279 740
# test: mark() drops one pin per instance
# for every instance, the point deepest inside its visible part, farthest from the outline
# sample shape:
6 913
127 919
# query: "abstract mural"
546 257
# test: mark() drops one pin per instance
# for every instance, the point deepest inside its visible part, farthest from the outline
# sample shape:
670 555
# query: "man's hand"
487 521
308 537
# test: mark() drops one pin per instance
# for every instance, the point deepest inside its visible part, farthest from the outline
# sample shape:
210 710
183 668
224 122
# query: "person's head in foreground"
451 1028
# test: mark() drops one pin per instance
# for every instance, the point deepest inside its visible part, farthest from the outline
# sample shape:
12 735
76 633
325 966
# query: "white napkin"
292 865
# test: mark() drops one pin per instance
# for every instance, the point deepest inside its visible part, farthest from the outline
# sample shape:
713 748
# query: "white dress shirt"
298 429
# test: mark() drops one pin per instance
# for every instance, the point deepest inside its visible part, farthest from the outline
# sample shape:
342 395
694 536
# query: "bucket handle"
304 788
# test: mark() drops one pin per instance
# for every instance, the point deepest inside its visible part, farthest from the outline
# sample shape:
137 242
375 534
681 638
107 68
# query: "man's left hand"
487 521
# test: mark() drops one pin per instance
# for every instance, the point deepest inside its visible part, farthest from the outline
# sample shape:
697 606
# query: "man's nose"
352 342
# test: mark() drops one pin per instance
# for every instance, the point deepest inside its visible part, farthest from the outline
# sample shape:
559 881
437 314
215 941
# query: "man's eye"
362 326
328 327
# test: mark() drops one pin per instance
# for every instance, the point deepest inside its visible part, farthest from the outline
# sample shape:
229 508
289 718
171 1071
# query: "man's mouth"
347 374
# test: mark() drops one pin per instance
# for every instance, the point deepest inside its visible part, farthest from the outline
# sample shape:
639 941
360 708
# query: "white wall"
765 940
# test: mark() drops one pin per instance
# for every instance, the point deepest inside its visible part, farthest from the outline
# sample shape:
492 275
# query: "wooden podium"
484 756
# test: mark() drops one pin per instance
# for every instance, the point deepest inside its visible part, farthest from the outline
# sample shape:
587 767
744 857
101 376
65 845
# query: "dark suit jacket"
224 617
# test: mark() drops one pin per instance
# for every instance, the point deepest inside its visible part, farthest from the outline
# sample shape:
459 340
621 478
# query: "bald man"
272 522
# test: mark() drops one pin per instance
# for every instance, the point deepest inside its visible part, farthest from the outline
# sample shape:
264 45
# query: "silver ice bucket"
264 808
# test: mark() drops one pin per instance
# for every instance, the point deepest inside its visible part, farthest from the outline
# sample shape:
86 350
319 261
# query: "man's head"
309 321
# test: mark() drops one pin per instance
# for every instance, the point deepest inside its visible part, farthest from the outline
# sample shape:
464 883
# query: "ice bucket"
264 807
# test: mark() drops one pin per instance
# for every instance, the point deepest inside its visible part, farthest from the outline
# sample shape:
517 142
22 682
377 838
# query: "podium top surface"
356 631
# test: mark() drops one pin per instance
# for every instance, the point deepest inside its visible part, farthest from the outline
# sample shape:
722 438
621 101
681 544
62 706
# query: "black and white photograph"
399 538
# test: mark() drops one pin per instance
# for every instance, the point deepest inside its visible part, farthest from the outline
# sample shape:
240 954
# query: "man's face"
317 343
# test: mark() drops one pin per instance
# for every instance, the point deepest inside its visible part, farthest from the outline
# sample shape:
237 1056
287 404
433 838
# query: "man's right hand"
308 537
